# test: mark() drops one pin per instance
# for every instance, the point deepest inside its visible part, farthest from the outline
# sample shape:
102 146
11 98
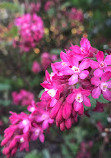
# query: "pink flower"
102 85
31 30
35 7
45 60
36 67
75 14
102 65
23 97
78 97
48 5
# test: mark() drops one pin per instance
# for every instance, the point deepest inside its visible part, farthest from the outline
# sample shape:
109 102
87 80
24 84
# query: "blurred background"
23 63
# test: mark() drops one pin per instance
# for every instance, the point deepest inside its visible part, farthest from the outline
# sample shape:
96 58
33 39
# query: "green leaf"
4 86
13 32
55 51
93 103
102 100
65 5
10 6
34 154
5 102
40 94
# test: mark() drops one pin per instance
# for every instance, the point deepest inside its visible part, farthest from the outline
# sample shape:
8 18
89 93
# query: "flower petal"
107 94
84 74
94 64
77 106
84 64
98 72
85 43
108 60
100 56
108 68
70 98
86 101
63 56
109 84
95 81
106 76
73 79
96 92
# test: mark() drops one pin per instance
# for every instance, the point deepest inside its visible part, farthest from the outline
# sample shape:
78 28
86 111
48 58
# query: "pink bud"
67 110
36 67
68 123
62 126
56 108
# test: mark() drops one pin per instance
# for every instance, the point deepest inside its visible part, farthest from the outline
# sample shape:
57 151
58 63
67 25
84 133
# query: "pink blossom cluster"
22 98
75 14
48 5
46 60
25 127
31 30
85 150
82 74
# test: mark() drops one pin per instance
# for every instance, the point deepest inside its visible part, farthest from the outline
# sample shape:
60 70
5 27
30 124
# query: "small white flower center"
75 69
21 140
32 109
104 86
52 92
64 64
79 97
25 122
37 131
44 116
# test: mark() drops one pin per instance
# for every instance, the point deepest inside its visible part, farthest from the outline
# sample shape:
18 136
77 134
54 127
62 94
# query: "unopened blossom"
36 68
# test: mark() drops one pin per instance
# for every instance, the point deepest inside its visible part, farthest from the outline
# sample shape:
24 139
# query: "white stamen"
104 86
25 122
75 69
79 97
52 92
21 140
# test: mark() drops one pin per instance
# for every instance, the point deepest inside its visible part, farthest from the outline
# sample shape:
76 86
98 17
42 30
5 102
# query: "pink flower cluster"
26 127
48 5
22 98
75 14
76 77
46 60
31 30
85 150
82 73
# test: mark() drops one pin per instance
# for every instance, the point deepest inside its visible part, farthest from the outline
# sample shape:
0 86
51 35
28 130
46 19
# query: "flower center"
32 109
21 140
79 97
44 116
52 92
25 122
104 86
102 64
37 131
75 69
64 64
